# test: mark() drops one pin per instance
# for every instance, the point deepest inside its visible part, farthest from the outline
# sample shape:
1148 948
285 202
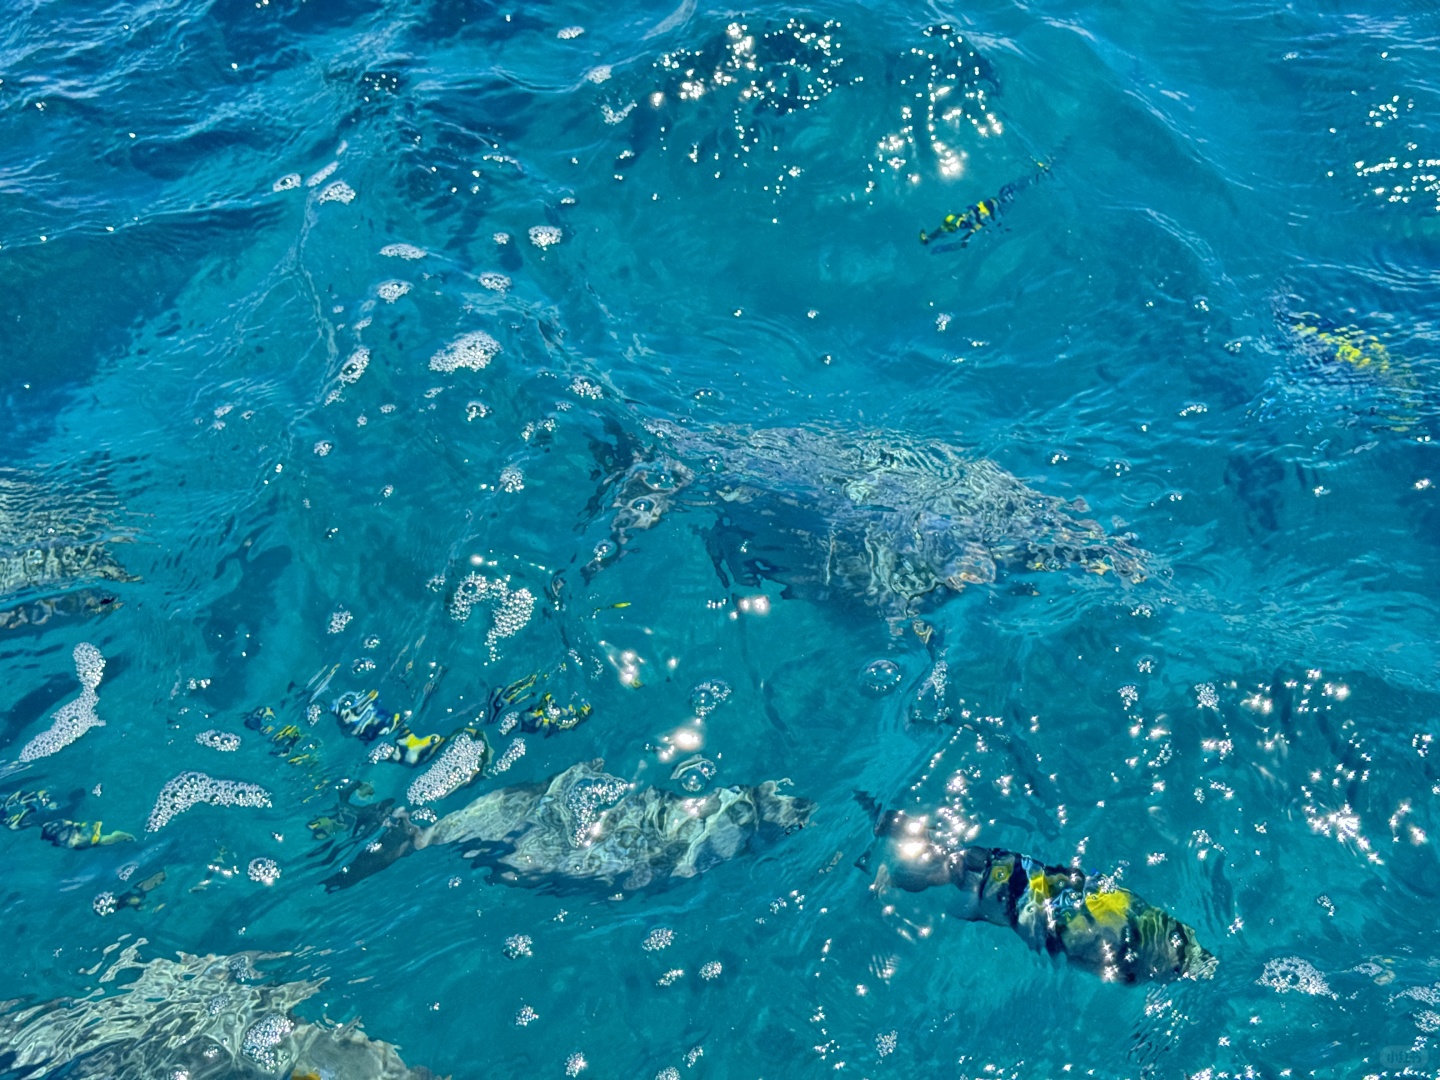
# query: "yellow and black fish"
986 212
1058 910
80 834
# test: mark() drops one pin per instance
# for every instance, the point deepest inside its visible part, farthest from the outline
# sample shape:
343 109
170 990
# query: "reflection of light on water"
627 664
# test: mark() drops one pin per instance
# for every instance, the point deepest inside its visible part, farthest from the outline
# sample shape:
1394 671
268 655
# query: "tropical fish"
986 212
586 828
892 522
1095 924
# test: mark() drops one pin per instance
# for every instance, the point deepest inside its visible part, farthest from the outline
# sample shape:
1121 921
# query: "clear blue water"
1211 316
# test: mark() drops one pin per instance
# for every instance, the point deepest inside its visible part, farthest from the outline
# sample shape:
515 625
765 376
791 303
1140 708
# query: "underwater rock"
202 1017
893 523
1093 923
53 536
584 827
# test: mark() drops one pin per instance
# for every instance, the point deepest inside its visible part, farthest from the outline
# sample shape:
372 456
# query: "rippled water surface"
417 348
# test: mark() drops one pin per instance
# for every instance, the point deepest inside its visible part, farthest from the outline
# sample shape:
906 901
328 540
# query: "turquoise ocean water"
421 347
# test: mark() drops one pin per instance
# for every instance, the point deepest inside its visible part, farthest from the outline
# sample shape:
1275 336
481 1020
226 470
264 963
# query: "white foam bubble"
474 350
390 291
264 1036
76 717
193 788
513 753
512 607
355 366
339 191
583 387
1291 973
458 764
512 479
265 871
569 33
288 182
318 178
544 236
408 252
89 665
224 741
518 945
494 282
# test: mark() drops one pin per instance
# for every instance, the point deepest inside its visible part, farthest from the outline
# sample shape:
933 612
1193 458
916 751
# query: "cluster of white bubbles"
575 1064
265 871
1291 973
583 387
390 291
224 741
586 802
409 252
355 366
494 282
263 1037
104 904
339 191
708 696
474 350
662 937
512 479
193 788
544 236
518 945
513 607
458 764
74 718
513 753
